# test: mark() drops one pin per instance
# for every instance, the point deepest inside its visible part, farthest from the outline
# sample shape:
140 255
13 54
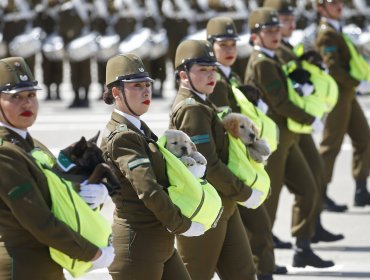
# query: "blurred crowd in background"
84 32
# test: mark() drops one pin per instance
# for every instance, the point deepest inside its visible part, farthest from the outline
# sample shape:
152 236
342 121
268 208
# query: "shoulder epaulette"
121 127
190 101
260 56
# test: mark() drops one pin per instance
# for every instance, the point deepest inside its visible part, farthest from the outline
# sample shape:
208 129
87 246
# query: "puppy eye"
242 126
174 143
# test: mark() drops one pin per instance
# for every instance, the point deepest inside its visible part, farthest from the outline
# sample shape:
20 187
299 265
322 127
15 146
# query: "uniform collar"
268 52
20 132
334 23
135 121
226 70
200 95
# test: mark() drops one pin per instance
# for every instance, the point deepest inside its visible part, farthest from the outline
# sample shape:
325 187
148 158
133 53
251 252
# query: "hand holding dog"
105 259
254 200
196 229
93 194
363 87
317 125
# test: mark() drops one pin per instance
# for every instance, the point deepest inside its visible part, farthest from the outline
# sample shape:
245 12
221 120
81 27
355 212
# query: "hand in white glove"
307 89
262 106
363 87
254 200
93 194
105 259
317 125
195 229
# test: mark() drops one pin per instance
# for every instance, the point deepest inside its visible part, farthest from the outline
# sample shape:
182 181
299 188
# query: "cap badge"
229 31
17 64
141 69
23 78
211 54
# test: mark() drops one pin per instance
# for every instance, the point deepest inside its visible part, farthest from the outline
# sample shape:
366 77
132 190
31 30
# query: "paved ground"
58 126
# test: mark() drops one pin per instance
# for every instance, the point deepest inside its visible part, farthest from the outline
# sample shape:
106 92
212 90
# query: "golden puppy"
240 126
180 144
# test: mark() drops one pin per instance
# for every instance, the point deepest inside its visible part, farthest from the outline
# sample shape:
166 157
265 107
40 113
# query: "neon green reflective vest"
268 130
252 173
70 208
359 67
311 104
326 87
197 199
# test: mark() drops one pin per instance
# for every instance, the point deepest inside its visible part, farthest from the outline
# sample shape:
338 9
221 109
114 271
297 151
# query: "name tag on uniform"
200 139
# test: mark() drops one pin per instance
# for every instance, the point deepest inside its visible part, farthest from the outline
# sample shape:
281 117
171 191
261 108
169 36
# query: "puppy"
240 126
180 144
84 160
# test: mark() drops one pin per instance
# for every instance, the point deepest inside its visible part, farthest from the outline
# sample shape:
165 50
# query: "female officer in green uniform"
222 34
306 143
145 219
226 247
287 164
27 226
347 117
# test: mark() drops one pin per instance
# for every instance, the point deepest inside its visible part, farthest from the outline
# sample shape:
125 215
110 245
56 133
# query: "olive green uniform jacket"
347 117
27 226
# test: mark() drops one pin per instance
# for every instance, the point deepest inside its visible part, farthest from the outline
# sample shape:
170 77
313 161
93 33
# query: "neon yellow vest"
197 199
240 163
311 104
326 87
267 128
359 68
68 207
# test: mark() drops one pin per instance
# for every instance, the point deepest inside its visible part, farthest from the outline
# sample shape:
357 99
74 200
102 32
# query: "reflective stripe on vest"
268 130
359 67
253 174
70 208
311 104
197 199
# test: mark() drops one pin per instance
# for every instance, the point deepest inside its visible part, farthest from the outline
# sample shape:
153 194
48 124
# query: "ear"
116 93
255 130
95 138
80 147
193 147
183 76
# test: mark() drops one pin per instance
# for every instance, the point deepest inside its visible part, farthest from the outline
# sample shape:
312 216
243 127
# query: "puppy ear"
193 147
234 128
255 130
80 147
95 138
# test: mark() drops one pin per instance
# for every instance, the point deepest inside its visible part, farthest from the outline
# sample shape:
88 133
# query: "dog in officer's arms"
240 126
180 144
83 161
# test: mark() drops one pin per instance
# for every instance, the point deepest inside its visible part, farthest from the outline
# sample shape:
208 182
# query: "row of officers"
150 28
289 95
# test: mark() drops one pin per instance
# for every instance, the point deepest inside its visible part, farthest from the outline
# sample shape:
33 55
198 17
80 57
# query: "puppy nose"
184 149
252 136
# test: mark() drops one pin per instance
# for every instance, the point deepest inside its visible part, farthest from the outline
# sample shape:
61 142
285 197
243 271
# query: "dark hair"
107 94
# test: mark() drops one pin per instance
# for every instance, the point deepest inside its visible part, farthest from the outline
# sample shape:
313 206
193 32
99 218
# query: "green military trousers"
258 225
224 249
347 117
287 165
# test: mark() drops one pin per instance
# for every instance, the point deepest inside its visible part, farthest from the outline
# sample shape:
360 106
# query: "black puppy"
84 160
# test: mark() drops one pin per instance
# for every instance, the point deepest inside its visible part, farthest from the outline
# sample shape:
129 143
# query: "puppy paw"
197 170
188 161
199 158
255 155
262 147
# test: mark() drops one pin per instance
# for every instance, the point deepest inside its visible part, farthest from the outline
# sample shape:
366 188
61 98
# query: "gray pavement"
57 127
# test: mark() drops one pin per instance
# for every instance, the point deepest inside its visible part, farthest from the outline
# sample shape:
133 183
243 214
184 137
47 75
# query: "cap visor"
138 80
16 90
225 38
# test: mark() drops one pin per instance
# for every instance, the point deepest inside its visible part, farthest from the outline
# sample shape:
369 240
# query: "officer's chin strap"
188 74
126 102
3 114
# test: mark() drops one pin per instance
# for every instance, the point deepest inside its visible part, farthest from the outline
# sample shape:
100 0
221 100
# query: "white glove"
93 194
317 125
307 89
363 87
262 106
105 259
195 229
254 200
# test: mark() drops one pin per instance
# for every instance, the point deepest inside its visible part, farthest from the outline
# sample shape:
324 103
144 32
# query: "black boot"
322 235
362 196
264 277
48 94
304 255
57 93
76 103
280 270
331 206
280 244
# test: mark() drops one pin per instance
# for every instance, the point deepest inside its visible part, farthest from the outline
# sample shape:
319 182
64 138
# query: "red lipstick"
211 83
146 102
27 114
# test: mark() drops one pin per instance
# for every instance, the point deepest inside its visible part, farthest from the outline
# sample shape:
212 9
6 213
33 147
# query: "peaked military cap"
126 68
195 51
16 76
322 2
283 7
221 28
262 18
